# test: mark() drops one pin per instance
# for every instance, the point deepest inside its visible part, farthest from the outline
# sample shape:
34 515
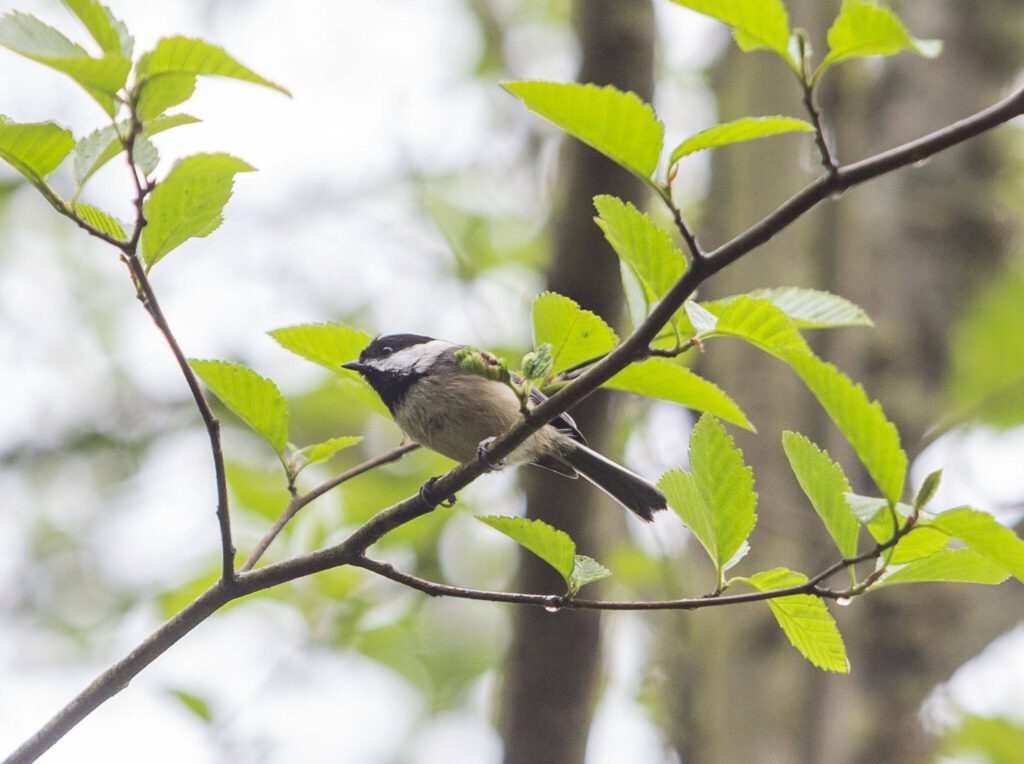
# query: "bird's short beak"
354 366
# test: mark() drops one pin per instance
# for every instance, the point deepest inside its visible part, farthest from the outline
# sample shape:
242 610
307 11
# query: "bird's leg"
427 495
483 454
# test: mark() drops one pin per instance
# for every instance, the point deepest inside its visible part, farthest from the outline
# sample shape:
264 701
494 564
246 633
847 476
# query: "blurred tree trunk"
908 250
553 666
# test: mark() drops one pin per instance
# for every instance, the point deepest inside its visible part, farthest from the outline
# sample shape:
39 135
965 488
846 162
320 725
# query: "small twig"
827 160
807 83
575 370
665 194
298 502
675 352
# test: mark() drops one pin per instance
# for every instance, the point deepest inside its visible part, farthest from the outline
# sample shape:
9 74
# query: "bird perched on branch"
449 409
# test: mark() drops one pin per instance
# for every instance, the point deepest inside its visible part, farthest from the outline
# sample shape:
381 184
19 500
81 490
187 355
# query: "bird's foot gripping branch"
881 540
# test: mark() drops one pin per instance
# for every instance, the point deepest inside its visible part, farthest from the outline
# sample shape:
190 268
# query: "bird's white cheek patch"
414 358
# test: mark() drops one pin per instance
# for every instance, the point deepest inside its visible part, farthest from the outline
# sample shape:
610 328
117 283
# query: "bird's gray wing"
562 422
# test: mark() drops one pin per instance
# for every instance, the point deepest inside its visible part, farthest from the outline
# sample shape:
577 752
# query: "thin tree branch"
351 551
148 298
811 587
211 422
68 211
298 502
562 602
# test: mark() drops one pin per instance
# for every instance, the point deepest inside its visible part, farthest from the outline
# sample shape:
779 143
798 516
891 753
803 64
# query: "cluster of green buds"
484 364
537 364
536 368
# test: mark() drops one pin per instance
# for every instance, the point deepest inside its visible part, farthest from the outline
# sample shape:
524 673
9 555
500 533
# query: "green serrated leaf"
865 28
805 620
865 508
717 500
920 541
27 35
93 151
551 545
760 323
985 535
738 131
99 147
619 125
825 484
684 498
755 23
165 122
252 398
959 565
162 91
645 247
100 220
703 320
186 55
874 438
189 202
145 155
585 571
321 452
101 77
575 335
808 308
928 489
331 345
110 33
875 515
882 523
660 378
34 149
725 483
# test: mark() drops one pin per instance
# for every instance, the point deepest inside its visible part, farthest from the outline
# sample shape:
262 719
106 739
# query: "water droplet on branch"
552 604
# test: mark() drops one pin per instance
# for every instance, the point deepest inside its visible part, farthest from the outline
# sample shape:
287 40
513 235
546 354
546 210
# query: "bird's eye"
387 350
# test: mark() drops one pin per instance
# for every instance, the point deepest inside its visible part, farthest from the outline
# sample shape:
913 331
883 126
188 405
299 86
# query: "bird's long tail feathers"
627 488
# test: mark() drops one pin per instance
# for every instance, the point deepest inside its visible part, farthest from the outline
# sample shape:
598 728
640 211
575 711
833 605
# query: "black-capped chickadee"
453 411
